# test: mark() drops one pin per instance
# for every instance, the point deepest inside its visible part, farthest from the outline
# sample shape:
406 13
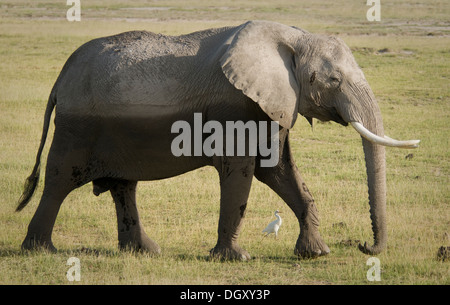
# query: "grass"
405 58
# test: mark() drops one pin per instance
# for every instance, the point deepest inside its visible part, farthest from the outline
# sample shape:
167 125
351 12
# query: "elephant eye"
335 81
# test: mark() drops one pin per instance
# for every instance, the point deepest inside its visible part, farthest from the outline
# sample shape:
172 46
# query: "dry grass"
410 79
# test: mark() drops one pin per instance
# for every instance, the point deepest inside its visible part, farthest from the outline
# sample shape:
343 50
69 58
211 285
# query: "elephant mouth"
331 114
338 119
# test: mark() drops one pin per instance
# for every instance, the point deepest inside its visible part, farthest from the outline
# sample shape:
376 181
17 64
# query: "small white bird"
274 225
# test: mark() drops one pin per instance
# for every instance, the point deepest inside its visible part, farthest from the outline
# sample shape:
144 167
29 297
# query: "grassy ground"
406 58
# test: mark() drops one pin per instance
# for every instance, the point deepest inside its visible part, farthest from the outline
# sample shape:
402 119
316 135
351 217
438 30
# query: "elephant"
116 100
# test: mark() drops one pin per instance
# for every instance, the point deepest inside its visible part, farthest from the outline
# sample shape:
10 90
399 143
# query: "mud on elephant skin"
117 97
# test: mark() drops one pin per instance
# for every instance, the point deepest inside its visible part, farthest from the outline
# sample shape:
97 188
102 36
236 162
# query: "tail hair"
32 181
29 187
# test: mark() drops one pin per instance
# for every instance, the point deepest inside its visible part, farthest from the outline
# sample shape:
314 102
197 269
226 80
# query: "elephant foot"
229 253
310 246
34 244
139 244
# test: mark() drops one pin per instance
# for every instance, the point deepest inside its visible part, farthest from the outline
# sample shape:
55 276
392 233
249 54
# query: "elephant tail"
32 181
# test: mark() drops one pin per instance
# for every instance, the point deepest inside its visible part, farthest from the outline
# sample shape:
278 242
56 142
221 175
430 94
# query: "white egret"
274 225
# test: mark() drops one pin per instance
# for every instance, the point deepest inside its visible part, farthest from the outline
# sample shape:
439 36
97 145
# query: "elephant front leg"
130 231
286 181
294 192
235 181
309 243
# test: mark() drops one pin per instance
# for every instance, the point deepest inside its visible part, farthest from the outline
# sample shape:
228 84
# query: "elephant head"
287 71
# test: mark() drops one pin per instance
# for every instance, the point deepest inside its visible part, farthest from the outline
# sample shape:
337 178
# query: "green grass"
406 59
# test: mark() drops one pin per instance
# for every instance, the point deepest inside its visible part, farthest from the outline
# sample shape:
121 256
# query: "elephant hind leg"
39 235
59 182
131 234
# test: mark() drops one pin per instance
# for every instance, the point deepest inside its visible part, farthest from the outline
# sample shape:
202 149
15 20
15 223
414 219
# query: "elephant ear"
260 62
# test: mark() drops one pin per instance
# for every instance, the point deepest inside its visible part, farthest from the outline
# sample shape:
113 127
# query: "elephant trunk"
365 115
375 157
368 122
359 107
376 180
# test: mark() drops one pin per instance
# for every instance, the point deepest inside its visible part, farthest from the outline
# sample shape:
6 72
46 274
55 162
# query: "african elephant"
118 97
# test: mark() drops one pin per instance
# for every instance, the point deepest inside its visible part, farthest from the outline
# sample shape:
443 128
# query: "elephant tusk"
386 141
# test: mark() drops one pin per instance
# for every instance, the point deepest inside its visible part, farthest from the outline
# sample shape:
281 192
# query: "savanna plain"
406 59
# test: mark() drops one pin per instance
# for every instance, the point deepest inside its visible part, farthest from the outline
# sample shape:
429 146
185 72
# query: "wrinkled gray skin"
117 97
